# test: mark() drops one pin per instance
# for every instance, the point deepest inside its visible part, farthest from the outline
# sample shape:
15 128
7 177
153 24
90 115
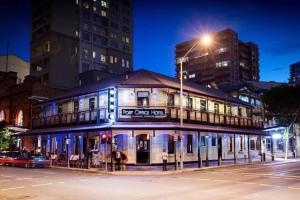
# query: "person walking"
118 159
165 159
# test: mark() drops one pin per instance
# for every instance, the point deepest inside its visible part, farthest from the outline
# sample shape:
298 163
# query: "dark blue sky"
160 24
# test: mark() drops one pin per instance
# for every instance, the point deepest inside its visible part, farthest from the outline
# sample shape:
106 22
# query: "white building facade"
138 114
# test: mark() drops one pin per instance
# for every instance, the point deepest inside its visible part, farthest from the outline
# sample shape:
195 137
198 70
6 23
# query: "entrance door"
142 149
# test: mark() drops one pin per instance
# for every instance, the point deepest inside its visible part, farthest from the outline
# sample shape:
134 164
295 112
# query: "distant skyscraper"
228 61
74 42
295 73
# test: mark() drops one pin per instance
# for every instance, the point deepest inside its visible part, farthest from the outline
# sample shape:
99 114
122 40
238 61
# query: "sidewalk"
157 170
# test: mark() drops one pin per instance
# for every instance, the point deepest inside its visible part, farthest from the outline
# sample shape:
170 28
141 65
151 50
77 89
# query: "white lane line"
14 188
267 185
83 180
293 188
22 179
248 183
202 179
5 176
43 184
60 182
224 181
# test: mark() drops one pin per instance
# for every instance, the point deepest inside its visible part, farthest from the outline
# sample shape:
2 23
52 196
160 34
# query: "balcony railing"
169 114
193 117
71 119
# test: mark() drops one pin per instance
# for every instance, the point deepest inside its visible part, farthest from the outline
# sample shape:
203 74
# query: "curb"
157 173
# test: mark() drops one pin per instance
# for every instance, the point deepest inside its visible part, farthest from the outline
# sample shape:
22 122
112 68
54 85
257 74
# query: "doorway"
143 149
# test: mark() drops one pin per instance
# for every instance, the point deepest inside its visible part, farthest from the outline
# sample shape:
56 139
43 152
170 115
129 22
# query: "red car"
15 158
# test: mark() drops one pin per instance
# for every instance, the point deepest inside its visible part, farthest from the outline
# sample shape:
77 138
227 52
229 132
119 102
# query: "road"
274 181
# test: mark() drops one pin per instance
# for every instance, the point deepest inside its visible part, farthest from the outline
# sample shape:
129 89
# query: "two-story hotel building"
140 114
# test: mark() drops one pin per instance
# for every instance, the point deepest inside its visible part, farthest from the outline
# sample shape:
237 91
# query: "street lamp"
205 40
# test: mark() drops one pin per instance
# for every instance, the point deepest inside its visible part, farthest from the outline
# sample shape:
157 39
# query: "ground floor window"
241 143
214 141
229 144
170 144
268 144
189 143
203 141
252 144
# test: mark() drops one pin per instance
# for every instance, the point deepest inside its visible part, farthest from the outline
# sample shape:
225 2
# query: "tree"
5 139
283 103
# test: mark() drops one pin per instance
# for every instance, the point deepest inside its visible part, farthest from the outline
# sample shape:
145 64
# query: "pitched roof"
145 78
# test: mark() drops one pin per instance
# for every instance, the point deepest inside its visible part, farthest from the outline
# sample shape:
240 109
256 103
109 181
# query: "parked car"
15 158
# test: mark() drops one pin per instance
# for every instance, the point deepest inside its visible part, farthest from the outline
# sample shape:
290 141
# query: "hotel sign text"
144 112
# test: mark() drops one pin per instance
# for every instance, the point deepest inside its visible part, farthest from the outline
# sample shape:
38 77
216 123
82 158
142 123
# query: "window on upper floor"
142 98
102 58
216 108
203 105
19 118
221 50
192 76
85 53
2 115
104 4
222 64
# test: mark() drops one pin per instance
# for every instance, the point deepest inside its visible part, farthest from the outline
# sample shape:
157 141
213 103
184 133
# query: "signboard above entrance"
144 112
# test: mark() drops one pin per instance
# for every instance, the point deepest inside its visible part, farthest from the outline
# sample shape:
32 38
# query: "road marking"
293 188
248 183
43 184
5 176
60 182
21 179
14 188
267 185
202 179
225 181
83 180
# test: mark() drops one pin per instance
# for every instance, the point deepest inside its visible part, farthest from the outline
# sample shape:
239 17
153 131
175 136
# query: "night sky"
160 24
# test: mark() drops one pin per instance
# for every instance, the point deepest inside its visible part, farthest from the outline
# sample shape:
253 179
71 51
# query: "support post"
249 154
206 146
68 159
175 151
272 149
234 149
199 150
111 153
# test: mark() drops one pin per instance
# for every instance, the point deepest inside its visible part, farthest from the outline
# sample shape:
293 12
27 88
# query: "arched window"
2 115
19 118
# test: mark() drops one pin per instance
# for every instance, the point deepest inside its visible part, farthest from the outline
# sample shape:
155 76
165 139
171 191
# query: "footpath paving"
157 170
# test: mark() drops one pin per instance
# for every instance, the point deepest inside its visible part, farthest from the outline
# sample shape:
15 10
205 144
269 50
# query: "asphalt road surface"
270 181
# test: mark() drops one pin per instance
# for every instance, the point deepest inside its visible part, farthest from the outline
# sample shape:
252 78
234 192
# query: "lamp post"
205 40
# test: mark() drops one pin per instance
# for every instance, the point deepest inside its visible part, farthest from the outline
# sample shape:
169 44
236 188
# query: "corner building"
140 114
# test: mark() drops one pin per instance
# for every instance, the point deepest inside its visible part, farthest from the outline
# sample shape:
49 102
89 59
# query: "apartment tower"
75 42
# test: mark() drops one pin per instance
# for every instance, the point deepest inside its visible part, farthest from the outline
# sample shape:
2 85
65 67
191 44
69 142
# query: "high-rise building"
75 42
295 73
227 61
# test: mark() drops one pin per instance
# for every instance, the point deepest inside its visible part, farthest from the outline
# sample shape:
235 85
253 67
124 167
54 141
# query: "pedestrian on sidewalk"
124 161
165 159
118 159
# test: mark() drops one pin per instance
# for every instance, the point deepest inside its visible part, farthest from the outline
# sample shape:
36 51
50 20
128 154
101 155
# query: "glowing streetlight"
205 40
